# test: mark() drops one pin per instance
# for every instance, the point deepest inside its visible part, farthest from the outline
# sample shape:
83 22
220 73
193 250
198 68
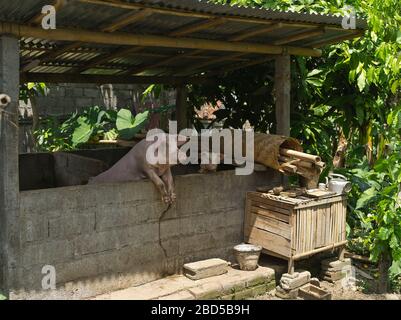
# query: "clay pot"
247 256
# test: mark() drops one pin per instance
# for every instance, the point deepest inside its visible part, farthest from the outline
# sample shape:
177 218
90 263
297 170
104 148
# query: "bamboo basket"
293 231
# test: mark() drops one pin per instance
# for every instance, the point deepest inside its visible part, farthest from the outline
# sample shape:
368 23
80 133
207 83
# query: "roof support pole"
182 108
283 94
9 173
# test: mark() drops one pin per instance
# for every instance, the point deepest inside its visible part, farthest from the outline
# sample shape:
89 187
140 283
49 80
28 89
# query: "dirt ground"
339 293
361 286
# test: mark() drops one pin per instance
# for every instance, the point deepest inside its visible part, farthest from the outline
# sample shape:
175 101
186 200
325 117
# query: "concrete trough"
106 237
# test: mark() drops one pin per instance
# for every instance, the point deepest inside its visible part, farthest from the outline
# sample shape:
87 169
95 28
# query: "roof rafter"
120 23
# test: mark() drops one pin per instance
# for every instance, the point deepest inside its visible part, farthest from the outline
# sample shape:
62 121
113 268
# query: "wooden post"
283 94
181 108
9 173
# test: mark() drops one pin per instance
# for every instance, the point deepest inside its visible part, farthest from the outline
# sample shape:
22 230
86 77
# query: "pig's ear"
181 140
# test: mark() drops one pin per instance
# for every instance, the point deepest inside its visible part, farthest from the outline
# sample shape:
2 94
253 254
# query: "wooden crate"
295 230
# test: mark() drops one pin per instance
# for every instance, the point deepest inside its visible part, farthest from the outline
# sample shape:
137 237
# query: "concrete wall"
64 99
107 237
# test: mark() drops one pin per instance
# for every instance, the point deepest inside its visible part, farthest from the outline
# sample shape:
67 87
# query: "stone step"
233 285
205 269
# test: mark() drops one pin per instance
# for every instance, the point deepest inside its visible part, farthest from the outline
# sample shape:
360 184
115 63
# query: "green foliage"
353 88
32 89
2 298
53 136
128 125
91 125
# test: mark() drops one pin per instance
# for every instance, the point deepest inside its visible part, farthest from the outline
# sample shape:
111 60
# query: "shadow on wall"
62 169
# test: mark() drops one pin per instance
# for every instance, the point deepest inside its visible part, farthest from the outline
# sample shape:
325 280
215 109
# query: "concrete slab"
205 269
235 284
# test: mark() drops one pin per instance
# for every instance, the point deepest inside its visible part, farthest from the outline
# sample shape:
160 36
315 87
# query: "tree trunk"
339 158
384 266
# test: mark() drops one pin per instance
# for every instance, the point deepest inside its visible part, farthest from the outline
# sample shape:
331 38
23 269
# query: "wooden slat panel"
259 197
270 207
270 214
270 241
272 225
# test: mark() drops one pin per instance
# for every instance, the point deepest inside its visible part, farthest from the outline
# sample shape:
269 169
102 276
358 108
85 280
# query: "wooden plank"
102 79
198 26
282 85
325 248
319 202
145 40
264 205
270 241
272 225
260 196
270 214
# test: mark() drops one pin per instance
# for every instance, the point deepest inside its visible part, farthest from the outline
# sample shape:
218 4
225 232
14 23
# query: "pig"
213 158
134 166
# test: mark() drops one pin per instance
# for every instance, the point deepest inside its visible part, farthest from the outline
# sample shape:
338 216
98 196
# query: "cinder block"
302 279
335 264
286 294
92 93
205 269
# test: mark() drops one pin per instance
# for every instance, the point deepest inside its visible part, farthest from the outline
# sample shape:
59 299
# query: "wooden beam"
179 32
104 58
210 62
129 39
283 94
104 79
37 19
256 32
235 67
299 36
195 27
132 18
170 11
322 43
186 13
236 38
128 20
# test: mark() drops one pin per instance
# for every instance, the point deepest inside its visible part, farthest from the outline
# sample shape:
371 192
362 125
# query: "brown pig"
135 166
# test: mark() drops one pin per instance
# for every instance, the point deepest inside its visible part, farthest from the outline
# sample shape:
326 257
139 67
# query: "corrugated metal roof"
100 14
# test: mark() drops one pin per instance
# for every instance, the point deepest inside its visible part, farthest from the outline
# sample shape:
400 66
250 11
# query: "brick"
207 291
205 269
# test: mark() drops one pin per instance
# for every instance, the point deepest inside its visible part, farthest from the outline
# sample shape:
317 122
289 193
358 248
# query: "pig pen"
101 238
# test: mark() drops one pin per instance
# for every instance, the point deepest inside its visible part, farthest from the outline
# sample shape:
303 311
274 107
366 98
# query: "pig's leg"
168 180
159 185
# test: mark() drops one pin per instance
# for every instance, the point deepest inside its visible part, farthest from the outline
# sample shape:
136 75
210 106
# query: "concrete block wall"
64 99
106 237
